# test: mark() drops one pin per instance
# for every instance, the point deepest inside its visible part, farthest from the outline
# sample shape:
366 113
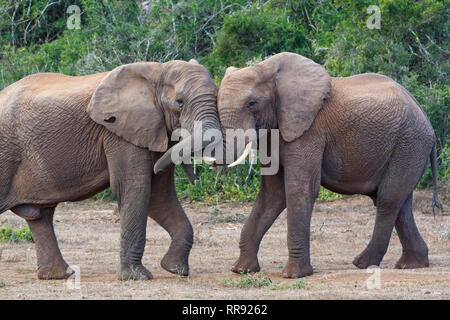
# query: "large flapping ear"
125 103
301 87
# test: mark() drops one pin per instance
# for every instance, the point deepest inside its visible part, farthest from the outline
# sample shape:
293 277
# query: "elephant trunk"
209 120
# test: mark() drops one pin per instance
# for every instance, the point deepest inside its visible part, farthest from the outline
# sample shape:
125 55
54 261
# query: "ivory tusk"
206 159
209 159
244 155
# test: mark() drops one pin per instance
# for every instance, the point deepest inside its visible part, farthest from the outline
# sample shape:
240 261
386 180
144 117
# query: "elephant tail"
435 203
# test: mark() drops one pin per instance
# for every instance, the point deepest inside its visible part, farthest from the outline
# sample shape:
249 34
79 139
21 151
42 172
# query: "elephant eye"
110 119
252 104
179 102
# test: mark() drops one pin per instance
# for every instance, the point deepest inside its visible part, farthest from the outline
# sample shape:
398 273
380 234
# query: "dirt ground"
88 234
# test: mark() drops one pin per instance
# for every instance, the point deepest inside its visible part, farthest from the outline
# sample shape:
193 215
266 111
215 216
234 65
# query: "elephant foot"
294 270
56 272
367 259
173 264
246 265
135 272
412 260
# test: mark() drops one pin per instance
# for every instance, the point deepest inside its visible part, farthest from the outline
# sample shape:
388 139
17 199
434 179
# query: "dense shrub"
9 234
411 46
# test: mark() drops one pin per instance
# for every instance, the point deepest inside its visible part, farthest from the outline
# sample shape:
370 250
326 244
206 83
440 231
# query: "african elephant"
65 138
363 134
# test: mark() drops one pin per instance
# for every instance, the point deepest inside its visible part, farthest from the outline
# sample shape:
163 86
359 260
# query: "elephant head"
145 102
285 92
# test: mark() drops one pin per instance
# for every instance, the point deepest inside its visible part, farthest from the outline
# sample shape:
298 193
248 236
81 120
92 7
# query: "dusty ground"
88 234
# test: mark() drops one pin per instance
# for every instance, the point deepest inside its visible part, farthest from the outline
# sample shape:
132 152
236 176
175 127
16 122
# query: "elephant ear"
124 103
301 87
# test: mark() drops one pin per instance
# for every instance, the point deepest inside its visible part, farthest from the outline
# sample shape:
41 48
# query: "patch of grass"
8 234
218 217
446 234
234 217
257 280
300 284
2 284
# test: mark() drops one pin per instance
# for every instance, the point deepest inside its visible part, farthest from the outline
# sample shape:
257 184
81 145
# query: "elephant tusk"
209 159
244 155
206 159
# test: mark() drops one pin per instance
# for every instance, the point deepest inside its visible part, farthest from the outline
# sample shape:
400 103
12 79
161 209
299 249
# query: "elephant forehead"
232 95
241 76
182 70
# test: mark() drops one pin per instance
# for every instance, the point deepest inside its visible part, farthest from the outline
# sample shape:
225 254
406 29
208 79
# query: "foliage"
238 184
443 169
411 47
259 280
8 234
105 195
300 284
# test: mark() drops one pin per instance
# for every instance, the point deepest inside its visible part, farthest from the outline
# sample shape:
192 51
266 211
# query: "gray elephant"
65 138
363 134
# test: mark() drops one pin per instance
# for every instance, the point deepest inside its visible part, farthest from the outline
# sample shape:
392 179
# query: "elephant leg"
302 177
51 264
393 191
415 250
271 201
130 171
384 224
166 210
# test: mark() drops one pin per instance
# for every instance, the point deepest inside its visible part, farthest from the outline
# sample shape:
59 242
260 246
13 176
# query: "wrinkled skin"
66 138
363 134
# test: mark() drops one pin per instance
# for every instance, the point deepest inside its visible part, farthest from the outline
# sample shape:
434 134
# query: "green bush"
238 184
105 195
8 234
254 31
